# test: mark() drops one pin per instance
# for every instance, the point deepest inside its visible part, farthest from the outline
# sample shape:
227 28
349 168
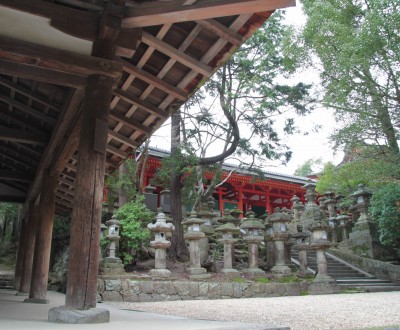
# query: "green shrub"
134 217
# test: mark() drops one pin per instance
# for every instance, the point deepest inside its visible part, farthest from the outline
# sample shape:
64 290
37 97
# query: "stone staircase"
348 276
6 279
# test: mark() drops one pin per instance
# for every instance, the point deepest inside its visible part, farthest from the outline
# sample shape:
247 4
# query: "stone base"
281 271
305 273
111 266
324 279
251 273
19 293
196 270
64 314
160 273
200 276
318 288
230 272
37 300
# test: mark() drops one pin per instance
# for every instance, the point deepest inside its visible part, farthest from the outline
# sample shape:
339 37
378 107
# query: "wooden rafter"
15 176
131 122
156 13
22 136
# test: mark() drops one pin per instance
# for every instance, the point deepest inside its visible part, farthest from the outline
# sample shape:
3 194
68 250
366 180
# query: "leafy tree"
308 167
386 212
134 217
355 45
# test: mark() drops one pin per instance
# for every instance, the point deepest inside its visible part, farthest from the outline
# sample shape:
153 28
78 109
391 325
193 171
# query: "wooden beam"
19 135
15 176
130 122
17 120
34 96
177 55
37 56
123 139
157 13
117 152
222 31
153 80
134 100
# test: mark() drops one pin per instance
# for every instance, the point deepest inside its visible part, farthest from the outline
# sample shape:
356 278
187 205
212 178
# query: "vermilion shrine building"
243 189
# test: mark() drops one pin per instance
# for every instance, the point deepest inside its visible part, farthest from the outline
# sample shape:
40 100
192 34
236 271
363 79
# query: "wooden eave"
165 51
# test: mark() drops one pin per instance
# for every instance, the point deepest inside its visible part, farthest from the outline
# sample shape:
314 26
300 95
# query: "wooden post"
21 253
44 230
30 237
86 214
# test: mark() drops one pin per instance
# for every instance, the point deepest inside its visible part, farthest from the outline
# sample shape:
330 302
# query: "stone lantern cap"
280 216
361 192
342 218
228 227
251 222
193 220
161 225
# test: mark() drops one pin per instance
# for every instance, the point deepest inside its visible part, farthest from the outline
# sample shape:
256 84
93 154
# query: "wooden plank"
21 70
222 31
156 13
34 96
19 135
177 55
17 120
123 139
134 100
153 80
38 56
15 176
28 110
117 152
130 122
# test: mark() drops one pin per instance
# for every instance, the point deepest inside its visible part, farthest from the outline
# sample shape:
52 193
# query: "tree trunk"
178 249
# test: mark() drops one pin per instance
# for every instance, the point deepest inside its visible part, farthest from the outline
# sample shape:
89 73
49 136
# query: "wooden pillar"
240 199
29 248
20 255
122 199
220 200
44 230
268 203
86 214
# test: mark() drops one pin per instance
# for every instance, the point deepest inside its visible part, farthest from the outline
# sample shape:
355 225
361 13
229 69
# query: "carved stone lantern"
113 236
302 245
362 197
269 242
161 244
311 207
279 221
226 218
330 203
103 228
193 235
205 214
235 213
297 208
228 230
254 237
343 219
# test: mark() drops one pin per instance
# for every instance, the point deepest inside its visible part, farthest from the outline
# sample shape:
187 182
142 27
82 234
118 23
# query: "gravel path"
340 311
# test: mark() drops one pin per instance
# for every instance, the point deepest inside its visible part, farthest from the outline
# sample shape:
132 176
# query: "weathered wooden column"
44 230
29 247
20 255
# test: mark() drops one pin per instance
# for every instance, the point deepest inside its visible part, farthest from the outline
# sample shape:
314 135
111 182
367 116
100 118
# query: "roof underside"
166 51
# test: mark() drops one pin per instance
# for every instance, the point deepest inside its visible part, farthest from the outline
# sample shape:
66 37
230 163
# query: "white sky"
313 146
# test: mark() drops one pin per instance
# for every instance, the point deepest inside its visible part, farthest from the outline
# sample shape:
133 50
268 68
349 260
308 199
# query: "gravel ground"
340 311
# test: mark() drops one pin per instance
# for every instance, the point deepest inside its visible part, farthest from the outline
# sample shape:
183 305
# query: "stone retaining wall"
146 291
377 268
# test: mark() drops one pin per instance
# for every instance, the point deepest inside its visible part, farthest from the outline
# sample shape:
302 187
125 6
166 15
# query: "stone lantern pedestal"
228 230
269 245
280 236
193 235
302 246
253 238
343 225
161 244
112 264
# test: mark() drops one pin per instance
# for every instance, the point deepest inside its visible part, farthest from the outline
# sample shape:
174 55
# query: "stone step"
378 288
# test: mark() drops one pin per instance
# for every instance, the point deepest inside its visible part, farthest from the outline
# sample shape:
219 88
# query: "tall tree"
355 45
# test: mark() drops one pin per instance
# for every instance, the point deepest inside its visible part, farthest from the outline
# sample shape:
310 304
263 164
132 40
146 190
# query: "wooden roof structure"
165 50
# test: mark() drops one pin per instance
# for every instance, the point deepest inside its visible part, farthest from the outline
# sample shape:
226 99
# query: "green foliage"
288 279
263 280
126 181
134 217
356 51
308 167
304 293
385 208
61 226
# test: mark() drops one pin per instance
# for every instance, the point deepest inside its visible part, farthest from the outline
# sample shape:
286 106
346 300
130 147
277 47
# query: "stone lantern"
330 202
112 264
235 214
320 244
226 218
311 207
297 209
253 237
269 243
193 235
302 245
228 230
279 222
103 228
343 219
161 244
365 232
205 214
113 236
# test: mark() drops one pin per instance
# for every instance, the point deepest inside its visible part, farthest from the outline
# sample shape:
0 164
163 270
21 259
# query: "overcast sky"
313 146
